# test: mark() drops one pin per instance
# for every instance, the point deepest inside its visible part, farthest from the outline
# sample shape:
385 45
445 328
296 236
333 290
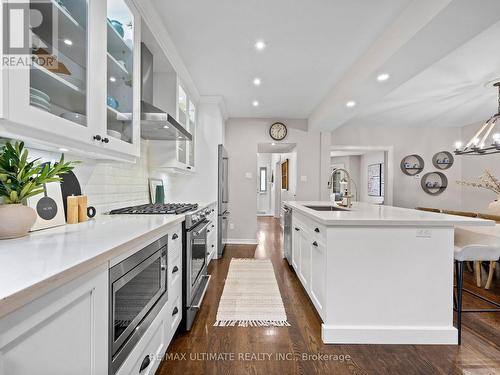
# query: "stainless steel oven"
137 290
195 266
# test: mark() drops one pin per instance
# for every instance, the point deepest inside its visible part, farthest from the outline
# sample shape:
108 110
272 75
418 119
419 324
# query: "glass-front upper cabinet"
121 72
50 93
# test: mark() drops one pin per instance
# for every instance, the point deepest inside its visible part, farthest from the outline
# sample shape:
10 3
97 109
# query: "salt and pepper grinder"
82 208
73 209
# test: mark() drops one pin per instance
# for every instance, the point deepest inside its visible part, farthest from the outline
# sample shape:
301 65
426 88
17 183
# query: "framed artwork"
284 175
48 206
376 180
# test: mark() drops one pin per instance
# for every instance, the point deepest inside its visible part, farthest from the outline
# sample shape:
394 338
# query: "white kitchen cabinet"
65 331
64 104
318 267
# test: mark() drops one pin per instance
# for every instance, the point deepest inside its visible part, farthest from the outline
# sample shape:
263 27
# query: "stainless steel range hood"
156 124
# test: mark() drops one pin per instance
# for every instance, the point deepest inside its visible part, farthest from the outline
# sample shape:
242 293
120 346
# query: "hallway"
299 350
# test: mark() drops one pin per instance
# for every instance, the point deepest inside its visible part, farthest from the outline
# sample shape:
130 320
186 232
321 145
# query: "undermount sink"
326 208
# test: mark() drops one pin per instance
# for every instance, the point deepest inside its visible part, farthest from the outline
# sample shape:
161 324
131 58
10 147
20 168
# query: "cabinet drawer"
175 313
174 272
175 241
149 350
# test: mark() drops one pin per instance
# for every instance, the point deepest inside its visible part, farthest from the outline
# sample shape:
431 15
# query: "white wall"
242 138
424 141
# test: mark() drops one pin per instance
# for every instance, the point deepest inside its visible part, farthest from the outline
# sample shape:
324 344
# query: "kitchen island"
377 274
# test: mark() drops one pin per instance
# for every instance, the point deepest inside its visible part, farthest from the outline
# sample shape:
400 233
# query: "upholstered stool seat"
475 253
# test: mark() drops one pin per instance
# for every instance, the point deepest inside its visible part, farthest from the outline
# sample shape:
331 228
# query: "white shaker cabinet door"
64 332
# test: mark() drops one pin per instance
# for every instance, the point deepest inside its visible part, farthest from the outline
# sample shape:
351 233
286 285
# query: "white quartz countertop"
33 265
365 214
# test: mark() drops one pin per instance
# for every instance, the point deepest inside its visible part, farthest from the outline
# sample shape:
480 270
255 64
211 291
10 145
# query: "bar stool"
471 253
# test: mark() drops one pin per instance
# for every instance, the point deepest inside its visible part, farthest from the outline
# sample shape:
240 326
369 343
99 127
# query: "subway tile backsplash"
109 185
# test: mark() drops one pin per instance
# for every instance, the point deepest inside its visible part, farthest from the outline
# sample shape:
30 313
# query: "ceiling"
322 53
310 44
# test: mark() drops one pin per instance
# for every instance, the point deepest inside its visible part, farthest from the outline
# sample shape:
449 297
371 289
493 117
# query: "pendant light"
486 141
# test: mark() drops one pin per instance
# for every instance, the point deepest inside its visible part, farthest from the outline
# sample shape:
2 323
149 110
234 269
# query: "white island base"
378 274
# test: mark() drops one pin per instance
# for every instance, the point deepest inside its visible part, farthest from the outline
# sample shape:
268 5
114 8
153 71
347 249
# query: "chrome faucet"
350 182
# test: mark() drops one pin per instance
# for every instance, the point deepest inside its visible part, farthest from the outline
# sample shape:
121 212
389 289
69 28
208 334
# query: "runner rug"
251 297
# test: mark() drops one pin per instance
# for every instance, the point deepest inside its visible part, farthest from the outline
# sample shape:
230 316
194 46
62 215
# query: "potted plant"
19 180
489 182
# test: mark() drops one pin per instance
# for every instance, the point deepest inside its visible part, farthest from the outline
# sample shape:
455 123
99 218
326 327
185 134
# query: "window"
263 179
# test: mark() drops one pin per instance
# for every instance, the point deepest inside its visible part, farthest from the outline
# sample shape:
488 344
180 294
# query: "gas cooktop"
156 209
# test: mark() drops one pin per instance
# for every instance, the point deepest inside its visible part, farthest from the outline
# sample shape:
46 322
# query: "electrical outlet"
424 232
231 226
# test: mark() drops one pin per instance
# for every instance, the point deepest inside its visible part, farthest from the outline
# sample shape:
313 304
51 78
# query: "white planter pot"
494 207
15 220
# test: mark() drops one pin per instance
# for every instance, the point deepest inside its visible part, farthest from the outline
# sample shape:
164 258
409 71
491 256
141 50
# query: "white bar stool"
465 254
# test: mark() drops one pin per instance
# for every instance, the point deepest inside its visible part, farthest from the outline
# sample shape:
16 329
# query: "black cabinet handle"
213 226
317 230
105 140
315 244
208 230
145 363
175 236
175 269
213 245
188 167
297 229
176 310
97 137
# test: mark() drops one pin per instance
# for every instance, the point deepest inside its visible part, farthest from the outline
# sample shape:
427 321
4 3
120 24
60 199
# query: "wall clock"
278 131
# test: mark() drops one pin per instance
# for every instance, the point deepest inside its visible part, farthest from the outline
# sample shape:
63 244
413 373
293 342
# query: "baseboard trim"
333 334
241 241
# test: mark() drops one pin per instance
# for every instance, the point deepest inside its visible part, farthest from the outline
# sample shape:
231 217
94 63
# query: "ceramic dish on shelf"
39 93
39 101
115 134
117 25
112 102
75 117
73 80
40 106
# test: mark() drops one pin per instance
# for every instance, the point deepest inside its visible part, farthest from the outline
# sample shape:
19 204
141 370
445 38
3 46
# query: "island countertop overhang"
365 214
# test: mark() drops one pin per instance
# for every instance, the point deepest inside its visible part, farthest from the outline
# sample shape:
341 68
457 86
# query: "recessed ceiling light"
383 77
259 45
68 42
165 126
350 104
255 103
112 79
62 149
257 81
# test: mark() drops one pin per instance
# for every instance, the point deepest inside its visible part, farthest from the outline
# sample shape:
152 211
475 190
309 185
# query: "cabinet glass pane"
120 36
58 77
182 106
192 130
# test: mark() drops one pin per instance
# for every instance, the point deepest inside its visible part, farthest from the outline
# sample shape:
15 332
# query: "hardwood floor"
227 346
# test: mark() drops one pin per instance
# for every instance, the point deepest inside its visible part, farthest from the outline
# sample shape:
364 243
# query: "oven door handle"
198 232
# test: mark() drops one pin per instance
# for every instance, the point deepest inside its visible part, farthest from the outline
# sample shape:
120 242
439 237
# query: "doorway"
371 170
276 177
